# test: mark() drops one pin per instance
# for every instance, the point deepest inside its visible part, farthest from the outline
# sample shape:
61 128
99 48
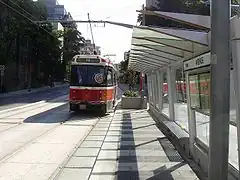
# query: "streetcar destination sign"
88 60
198 62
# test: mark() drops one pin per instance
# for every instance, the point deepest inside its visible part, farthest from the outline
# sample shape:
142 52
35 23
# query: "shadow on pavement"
129 167
46 95
121 174
164 173
60 114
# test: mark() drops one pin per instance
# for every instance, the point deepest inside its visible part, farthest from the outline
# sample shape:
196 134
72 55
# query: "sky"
112 39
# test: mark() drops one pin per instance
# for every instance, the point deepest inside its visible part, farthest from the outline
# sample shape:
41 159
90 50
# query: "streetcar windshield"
87 75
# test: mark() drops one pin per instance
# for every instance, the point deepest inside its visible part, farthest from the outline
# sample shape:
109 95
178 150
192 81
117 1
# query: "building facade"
89 47
54 9
151 3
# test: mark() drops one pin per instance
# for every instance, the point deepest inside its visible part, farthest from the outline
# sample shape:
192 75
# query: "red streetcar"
93 83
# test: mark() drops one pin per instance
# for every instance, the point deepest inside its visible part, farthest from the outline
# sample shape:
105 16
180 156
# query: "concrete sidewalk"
33 90
127 146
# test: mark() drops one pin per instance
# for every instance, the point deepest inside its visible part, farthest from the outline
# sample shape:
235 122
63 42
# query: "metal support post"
154 90
142 80
151 87
236 77
170 93
220 89
142 90
148 84
160 90
174 91
157 90
191 119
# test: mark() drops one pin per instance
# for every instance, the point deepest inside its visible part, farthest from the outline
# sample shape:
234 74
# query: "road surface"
38 133
22 99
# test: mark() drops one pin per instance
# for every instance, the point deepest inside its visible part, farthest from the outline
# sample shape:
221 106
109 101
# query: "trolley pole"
220 89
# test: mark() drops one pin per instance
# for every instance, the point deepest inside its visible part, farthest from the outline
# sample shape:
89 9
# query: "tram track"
20 107
58 170
21 147
33 107
55 175
29 109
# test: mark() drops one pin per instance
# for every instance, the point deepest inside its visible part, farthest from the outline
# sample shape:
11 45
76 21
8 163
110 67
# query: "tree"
129 76
73 41
26 44
7 34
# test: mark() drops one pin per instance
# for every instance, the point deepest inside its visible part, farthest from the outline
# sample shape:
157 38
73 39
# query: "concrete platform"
130 146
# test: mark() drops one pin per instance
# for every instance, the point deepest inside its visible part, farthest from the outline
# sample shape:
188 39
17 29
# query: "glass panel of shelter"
199 79
180 103
199 93
198 104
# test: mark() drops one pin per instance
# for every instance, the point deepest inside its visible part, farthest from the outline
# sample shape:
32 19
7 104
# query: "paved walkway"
126 146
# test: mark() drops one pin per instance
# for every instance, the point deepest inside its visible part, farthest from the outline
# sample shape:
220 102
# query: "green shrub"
130 93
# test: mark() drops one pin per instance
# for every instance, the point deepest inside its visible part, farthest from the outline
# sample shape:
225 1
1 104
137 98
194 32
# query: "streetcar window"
109 77
85 75
115 79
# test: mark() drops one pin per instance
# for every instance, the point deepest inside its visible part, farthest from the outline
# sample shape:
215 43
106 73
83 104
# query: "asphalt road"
46 95
37 136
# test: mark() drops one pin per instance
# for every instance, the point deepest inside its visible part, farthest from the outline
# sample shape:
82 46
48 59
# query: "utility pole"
91 32
220 89
142 79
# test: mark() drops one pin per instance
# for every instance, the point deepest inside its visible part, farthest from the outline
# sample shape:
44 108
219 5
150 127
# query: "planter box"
133 102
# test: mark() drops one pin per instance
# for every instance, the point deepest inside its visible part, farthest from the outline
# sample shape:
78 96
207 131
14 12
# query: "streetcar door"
110 85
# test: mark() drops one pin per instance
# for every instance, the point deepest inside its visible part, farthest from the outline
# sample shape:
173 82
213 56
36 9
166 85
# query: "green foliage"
73 41
235 1
42 46
129 76
124 66
22 39
130 93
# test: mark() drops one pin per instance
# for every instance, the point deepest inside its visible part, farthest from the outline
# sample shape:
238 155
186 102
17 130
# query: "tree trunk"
18 58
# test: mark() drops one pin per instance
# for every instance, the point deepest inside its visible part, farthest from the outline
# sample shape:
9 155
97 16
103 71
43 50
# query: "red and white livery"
93 83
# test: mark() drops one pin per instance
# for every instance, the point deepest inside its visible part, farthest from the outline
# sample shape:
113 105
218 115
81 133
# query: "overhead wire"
18 12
